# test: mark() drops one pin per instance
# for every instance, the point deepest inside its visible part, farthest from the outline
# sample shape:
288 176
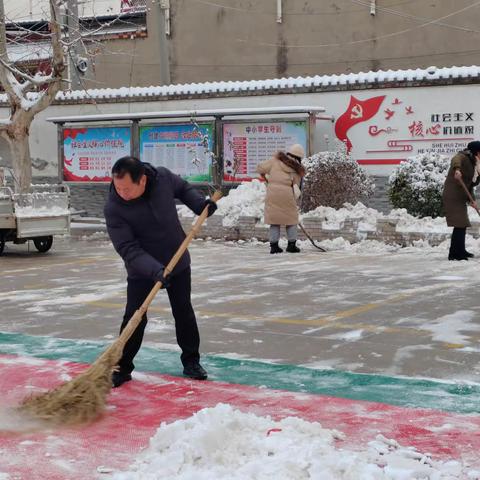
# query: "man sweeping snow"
143 225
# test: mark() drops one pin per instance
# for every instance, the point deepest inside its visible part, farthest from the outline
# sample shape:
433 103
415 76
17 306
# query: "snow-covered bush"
333 178
417 184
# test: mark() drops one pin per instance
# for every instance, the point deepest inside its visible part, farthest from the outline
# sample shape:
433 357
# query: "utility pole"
72 25
162 7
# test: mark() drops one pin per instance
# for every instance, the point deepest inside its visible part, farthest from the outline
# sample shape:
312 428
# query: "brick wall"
90 198
386 231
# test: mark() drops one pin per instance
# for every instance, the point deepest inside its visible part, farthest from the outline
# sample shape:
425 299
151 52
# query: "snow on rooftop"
29 52
378 77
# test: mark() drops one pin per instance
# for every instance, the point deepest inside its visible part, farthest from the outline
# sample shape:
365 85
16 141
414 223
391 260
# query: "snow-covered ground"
222 443
225 443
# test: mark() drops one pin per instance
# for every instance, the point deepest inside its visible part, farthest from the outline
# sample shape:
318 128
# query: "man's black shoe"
195 370
119 378
469 255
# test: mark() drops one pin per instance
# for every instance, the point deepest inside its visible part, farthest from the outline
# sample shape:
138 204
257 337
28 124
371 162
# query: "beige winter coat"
455 198
280 204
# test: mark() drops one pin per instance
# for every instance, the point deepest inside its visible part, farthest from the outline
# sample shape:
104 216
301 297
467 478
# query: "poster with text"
245 145
89 153
185 149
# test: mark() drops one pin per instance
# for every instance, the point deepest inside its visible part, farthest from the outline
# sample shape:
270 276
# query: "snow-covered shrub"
333 178
417 184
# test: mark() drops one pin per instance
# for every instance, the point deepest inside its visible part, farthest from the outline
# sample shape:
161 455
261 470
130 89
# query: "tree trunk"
18 142
20 149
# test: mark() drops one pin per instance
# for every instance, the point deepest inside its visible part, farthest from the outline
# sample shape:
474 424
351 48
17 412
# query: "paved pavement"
136 410
406 312
367 342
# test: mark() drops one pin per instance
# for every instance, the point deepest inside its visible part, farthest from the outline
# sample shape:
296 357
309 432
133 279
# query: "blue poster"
185 149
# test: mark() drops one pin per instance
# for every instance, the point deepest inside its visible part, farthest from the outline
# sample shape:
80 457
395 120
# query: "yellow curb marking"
453 345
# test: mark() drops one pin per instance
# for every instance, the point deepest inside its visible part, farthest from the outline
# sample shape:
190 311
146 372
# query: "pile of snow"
32 211
364 247
45 201
408 223
367 217
223 443
246 200
333 218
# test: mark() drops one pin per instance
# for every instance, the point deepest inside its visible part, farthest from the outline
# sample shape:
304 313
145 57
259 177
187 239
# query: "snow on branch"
37 79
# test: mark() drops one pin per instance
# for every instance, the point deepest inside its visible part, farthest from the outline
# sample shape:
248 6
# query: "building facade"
158 42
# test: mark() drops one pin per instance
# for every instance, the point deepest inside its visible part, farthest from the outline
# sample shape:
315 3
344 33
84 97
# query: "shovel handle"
469 195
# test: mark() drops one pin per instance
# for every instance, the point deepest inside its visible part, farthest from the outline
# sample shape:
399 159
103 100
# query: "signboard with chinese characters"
245 145
89 153
185 149
387 127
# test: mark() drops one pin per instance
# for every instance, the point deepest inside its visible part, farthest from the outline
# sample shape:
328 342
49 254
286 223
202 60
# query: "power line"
412 17
286 13
299 64
356 42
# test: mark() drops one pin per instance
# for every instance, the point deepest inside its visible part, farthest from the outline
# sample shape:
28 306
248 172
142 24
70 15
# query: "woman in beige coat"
282 172
455 199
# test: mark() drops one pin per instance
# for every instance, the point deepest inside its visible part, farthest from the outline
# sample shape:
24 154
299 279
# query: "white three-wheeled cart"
37 215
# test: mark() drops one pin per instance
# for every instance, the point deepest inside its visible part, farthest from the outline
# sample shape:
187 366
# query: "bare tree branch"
5 79
58 63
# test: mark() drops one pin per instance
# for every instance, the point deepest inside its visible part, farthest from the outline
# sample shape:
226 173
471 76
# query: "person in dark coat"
143 225
462 169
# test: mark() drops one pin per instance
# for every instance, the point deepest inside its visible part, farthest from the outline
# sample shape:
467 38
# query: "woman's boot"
292 248
274 248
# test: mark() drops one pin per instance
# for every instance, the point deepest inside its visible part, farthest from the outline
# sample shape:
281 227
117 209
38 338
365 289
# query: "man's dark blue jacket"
146 232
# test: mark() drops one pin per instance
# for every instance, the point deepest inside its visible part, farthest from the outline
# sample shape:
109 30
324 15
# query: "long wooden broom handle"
469 195
137 316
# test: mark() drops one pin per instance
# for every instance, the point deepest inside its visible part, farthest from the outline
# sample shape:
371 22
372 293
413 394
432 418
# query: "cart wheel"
43 244
2 243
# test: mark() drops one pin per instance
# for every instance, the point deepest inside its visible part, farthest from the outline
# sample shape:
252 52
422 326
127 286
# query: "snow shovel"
83 398
312 241
469 195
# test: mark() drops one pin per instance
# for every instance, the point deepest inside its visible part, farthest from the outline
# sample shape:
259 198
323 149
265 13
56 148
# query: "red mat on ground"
136 410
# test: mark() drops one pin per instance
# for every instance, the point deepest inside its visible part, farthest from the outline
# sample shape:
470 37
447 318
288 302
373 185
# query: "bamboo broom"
83 398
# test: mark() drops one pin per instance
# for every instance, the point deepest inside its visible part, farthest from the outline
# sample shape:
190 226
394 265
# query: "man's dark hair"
128 164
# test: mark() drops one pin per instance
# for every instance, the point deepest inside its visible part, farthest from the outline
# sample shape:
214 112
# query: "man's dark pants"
186 327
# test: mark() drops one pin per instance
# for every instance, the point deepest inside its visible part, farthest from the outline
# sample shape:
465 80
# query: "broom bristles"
79 400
